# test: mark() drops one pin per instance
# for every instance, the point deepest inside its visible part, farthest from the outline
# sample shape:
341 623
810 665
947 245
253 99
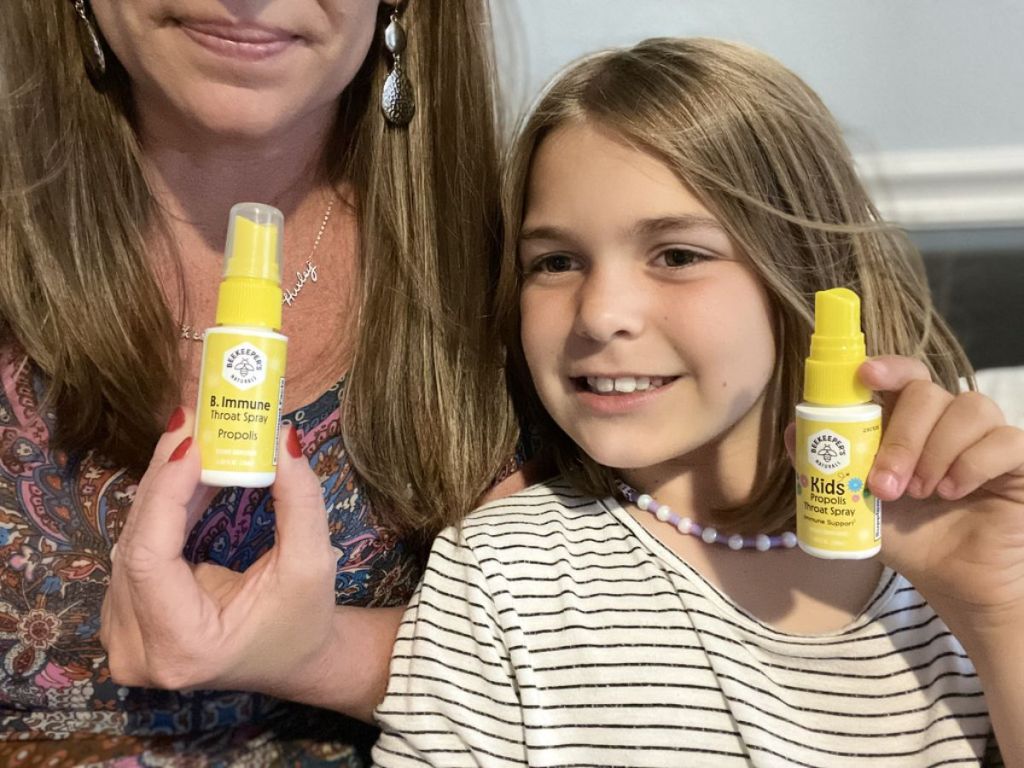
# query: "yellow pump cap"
250 293
837 350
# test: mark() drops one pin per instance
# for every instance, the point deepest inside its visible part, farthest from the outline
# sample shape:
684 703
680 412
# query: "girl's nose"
609 306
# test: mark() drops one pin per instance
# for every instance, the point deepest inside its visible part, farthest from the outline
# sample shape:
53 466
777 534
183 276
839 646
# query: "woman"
128 131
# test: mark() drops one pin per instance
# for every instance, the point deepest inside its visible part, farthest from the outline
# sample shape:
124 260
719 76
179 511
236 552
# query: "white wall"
930 93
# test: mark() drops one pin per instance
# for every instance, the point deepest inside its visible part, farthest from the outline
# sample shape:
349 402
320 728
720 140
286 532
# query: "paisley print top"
58 518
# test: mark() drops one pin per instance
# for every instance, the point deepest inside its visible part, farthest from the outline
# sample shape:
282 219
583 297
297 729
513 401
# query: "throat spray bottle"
241 384
838 430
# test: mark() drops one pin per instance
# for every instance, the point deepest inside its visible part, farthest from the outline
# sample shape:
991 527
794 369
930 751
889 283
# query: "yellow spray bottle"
838 430
241 385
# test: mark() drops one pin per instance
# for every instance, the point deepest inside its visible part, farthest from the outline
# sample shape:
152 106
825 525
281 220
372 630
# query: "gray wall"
930 93
899 74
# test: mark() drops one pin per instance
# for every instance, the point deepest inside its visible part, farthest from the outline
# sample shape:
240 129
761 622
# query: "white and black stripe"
553 630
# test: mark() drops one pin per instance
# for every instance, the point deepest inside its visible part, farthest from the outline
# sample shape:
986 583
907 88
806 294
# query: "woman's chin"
221 113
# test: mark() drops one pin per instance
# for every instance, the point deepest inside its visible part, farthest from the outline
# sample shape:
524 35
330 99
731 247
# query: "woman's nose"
610 305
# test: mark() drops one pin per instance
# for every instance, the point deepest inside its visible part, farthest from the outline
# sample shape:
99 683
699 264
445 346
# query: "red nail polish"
294 447
181 450
176 420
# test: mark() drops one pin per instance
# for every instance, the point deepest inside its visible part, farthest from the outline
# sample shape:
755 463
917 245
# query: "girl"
675 208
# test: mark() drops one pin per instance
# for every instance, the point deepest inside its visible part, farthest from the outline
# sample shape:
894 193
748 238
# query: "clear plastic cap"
253 248
250 293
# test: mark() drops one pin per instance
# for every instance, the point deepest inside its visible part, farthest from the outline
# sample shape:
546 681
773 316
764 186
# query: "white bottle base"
222 479
829 554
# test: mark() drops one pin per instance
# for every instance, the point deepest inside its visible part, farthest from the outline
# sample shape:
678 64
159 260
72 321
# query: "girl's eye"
555 262
682 257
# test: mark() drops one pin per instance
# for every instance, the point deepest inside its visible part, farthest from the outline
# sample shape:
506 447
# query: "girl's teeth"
624 384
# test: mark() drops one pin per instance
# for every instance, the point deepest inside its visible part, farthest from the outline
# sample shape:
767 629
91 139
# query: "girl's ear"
789 438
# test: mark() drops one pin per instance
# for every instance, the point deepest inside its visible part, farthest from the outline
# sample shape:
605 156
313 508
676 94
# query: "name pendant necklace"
308 274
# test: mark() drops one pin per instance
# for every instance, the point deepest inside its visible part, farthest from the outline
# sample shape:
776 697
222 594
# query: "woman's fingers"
153 596
157 525
171 624
303 536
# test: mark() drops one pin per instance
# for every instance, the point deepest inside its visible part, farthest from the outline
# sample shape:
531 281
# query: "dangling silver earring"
92 46
397 99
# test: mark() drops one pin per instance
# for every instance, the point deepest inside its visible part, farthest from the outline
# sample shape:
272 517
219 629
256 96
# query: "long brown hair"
762 152
427 418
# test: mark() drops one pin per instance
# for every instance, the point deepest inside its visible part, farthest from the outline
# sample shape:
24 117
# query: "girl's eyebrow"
643 228
545 233
661 224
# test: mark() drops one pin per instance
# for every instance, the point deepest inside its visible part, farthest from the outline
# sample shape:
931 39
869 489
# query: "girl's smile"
620 394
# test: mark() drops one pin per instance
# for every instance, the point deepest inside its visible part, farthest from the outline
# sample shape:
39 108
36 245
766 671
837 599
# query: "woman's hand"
951 474
169 624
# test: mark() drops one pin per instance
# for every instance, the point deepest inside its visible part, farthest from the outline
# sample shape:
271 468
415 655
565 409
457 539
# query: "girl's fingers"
920 407
892 373
1000 452
968 419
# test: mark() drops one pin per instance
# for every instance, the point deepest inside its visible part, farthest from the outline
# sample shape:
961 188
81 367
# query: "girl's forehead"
583 170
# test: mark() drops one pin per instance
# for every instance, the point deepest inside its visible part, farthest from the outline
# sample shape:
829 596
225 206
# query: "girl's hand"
951 474
169 624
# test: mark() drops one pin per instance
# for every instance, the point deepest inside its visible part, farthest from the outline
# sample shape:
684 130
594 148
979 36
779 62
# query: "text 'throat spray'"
241 384
838 430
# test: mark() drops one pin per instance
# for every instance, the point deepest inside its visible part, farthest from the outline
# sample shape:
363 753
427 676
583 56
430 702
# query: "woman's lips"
245 42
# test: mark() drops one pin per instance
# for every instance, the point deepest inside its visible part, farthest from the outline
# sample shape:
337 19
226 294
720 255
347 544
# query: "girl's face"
238 67
648 337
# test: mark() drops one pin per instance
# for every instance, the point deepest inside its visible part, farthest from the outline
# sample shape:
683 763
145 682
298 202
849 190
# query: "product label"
835 511
828 452
239 410
245 366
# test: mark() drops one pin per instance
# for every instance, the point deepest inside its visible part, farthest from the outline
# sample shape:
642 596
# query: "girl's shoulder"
549 521
550 500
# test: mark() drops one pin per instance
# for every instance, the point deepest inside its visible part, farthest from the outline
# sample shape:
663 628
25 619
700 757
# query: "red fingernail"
294 447
176 420
181 450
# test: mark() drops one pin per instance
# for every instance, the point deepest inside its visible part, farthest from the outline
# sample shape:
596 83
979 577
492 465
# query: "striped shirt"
554 630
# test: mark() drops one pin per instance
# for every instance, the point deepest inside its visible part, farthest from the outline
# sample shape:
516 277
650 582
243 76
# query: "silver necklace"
308 274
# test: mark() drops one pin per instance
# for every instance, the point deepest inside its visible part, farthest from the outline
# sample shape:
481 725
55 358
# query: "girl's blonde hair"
762 152
427 419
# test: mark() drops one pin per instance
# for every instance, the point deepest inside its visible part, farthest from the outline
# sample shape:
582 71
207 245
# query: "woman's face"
241 68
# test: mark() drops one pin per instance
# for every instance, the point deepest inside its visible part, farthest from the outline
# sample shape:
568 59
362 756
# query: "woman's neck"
196 175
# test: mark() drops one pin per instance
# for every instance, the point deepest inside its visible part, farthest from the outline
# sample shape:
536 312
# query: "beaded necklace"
762 542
